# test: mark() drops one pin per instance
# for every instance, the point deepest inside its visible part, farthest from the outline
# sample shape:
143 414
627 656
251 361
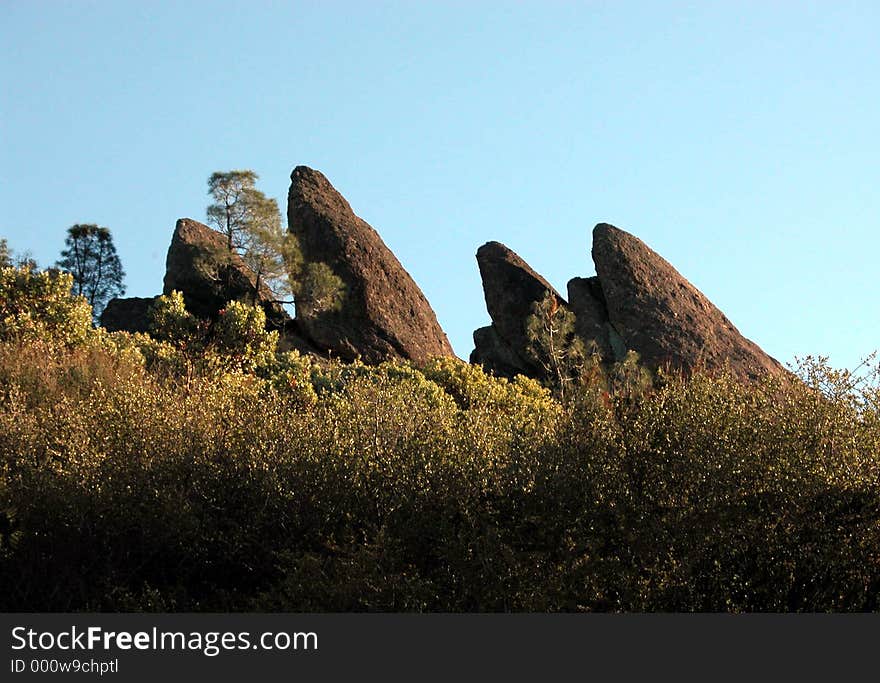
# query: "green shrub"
38 305
187 345
139 474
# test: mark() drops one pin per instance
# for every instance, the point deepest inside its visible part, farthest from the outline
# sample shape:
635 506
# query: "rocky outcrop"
383 313
201 267
511 287
587 302
496 355
128 315
662 316
637 302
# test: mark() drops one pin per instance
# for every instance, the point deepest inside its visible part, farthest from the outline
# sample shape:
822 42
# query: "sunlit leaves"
200 469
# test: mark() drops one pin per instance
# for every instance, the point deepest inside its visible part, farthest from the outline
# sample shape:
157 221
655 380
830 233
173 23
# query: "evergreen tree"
268 249
253 227
8 258
91 258
319 289
231 214
5 255
553 344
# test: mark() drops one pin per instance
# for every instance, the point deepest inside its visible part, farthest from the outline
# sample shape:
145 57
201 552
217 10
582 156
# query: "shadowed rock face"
201 267
384 313
495 355
638 302
127 315
511 287
662 316
587 302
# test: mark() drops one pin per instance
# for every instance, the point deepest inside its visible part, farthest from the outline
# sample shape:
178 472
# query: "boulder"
511 287
127 315
201 267
383 314
662 316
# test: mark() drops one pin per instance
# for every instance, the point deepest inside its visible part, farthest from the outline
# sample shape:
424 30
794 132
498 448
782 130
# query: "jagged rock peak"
662 316
510 287
201 267
383 314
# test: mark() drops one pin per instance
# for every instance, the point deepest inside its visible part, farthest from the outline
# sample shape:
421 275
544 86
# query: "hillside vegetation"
199 468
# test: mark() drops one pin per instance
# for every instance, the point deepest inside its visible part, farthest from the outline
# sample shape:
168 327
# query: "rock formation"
384 313
587 301
127 315
662 316
510 287
637 301
497 356
201 267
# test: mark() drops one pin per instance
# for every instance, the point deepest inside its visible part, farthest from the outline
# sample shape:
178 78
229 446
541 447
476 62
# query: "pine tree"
231 212
9 259
268 250
91 258
553 344
253 227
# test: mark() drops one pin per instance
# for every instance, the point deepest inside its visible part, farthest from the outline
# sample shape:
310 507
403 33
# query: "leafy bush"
237 339
244 479
38 305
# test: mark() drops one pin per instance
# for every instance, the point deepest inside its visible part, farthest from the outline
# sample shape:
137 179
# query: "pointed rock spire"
510 287
384 314
662 316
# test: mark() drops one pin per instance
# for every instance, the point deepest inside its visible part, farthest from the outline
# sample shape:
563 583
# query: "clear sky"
740 140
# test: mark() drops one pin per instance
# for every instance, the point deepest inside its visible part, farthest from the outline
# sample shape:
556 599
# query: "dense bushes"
139 474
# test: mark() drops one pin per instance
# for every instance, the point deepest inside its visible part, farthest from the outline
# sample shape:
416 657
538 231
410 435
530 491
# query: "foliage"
240 336
628 377
525 406
271 253
39 306
253 228
237 339
319 289
231 211
268 481
91 258
290 378
9 259
553 344
170 321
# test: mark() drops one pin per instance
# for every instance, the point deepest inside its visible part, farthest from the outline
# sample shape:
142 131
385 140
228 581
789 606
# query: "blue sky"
738 139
